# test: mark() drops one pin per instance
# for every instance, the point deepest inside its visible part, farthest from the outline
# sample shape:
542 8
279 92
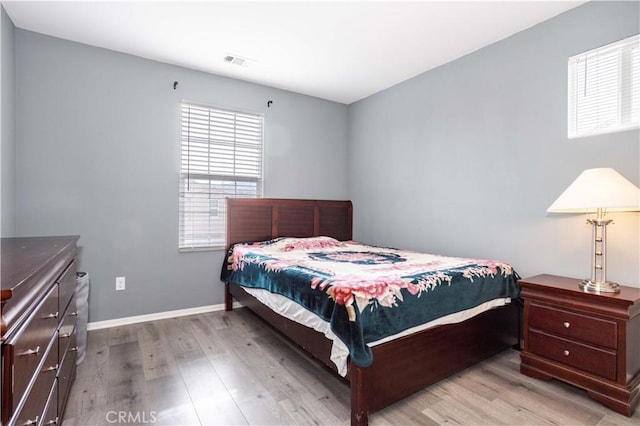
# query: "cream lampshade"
598 191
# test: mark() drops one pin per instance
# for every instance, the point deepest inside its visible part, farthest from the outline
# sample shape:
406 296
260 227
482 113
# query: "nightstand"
588 340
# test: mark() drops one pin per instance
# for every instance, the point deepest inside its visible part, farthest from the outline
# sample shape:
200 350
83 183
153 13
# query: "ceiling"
342 51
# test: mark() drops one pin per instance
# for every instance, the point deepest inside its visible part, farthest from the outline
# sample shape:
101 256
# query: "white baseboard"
97 325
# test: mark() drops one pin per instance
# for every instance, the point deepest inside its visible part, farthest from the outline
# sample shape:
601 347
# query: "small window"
221 157
604 89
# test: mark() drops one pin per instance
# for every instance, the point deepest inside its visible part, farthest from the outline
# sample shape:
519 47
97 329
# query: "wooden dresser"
38 321
589 340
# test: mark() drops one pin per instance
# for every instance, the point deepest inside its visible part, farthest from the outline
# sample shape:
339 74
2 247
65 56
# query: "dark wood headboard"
261 219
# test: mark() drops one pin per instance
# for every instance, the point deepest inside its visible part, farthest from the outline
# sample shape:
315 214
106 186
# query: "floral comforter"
367 293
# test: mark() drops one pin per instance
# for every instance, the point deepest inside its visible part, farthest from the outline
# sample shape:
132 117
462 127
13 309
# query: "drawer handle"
566 324
52 368
565 353
73 314
65 335
31 422
73 349
30 352
52 422
54 315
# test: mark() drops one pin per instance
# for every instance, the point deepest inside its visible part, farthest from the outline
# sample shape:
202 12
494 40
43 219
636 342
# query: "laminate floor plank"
184 345
211 342
242 322
309 411
123 334
210 397
273 376
315 377
614 419
480 409
230 368
283 380
168 399
506 366
238 381
291 384
87 397
459 405
401 413
553 408
254 400
156 353
472 380
126 385
450 411
98 417
327 393
219 409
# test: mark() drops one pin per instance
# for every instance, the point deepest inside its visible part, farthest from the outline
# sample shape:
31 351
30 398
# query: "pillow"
289 244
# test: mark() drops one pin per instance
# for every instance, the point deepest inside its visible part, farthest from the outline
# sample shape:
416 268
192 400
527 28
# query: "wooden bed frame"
400 367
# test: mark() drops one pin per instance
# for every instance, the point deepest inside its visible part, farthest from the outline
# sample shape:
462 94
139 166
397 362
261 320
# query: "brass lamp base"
600 286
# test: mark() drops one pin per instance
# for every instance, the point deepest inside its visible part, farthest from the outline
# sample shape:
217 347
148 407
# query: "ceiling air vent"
236 60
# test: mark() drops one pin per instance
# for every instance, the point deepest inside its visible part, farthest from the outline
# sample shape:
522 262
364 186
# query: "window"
604 89
221 157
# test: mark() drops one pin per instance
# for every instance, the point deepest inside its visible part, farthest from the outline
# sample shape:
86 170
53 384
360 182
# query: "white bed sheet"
339 352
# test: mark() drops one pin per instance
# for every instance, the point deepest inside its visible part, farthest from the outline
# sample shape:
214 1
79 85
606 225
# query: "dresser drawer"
28 346
67 286
34 408
66 327
587 358
50 416
575 326
66 373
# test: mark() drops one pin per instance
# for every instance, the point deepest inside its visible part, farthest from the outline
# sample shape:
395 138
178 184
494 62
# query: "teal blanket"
367 293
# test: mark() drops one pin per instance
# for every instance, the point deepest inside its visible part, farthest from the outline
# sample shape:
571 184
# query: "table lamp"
598 191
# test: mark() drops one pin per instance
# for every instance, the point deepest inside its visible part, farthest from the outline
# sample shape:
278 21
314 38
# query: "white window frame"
604 89
221 157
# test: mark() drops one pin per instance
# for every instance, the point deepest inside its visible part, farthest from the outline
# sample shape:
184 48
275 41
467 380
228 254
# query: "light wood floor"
230 368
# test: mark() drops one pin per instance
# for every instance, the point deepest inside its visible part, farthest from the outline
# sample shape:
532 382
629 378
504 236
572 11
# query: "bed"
391 369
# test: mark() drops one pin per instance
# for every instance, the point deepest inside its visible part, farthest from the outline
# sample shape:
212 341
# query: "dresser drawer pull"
73 349
54 315
65 335
31 422
52 368
73 314
30 352
52 422
565 353
566 324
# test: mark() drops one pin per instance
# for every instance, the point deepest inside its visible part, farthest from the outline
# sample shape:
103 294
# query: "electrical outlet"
120 283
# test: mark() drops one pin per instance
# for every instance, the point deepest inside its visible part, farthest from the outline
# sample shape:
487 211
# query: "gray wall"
464 160
98 155
7 126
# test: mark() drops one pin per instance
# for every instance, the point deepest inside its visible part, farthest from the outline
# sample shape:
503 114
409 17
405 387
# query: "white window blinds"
221 157
604 89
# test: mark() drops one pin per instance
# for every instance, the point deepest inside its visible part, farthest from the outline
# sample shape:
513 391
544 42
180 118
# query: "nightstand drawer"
575 326
587 358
